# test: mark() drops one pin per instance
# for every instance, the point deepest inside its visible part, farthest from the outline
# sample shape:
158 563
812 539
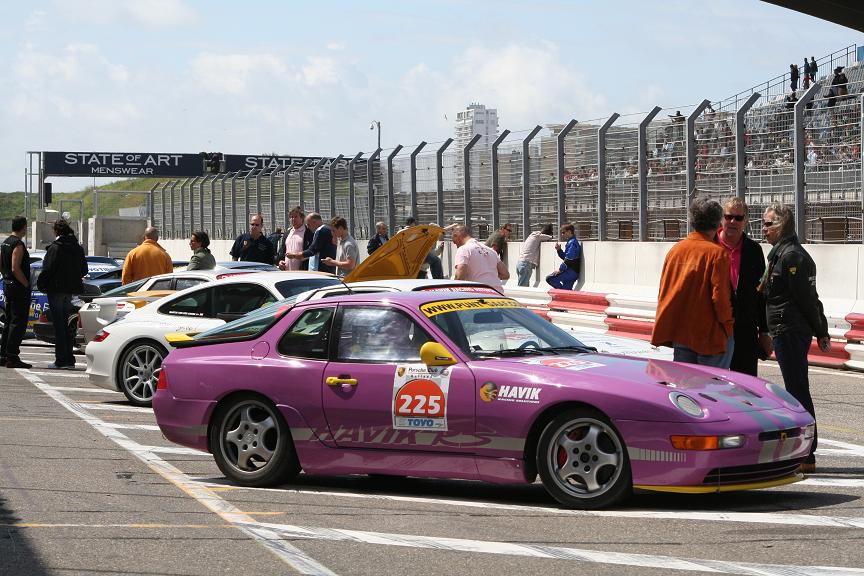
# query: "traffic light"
213 162
46 193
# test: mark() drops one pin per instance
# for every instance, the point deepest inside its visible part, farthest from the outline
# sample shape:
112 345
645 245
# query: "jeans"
17 311
681 353
524 270
791 350
563 280
60 306
435 266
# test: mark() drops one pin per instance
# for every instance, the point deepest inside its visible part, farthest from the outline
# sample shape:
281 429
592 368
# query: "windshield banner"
442 306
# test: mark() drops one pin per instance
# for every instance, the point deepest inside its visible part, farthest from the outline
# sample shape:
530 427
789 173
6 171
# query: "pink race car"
456 385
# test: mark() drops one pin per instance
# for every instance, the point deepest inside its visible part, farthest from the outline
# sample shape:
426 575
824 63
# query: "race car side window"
161 284
198 304
378 334
183 283
241 298
309 336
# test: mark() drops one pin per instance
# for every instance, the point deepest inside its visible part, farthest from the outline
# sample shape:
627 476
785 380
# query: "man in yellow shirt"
147 259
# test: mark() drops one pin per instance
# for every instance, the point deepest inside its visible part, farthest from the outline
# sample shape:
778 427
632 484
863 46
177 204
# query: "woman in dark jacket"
201 258
62 270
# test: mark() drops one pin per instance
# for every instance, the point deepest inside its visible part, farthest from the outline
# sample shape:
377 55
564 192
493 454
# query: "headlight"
809 431
686 404
783 394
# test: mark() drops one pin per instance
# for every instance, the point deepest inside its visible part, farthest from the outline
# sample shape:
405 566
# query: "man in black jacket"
794 312
62 270
752 340
322 245
15 267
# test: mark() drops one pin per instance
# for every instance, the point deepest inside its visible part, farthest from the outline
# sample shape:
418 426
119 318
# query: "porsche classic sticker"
420 397
434 308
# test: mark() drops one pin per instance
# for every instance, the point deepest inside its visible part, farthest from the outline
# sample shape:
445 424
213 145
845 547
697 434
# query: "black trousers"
17 311
791 349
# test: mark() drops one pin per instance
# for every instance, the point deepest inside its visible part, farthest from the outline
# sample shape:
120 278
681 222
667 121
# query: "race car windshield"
505 332
250 325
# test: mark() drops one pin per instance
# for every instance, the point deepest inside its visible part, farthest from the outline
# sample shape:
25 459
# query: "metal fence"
620 178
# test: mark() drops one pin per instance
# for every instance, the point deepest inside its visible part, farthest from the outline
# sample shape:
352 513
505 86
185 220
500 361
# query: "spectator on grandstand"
529 257
839 86
793 76
476 261
253 246
147 259
347 252
381 236
694 305
297 239
568 272
807 74
814 68
498 241
747 266
793 309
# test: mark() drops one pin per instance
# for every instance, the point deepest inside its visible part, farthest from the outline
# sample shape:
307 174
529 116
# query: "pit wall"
617 290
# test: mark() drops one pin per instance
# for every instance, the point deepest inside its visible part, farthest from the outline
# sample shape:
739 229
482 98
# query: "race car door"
377 393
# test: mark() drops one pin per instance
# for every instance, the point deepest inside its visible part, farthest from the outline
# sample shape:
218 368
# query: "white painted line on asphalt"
63 373
845 448
833 482
742 517
93 390
118 426
115 408
580 555
174 450
286 552
843 373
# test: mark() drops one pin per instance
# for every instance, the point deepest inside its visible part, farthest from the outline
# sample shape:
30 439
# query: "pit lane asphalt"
88 485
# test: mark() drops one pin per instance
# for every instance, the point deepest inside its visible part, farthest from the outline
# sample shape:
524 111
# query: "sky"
307 78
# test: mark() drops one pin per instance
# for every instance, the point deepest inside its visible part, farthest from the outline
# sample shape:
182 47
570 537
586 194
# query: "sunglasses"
735 217
768 223
253 224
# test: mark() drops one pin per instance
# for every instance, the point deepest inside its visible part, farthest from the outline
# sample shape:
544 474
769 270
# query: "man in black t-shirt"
15 267
253 246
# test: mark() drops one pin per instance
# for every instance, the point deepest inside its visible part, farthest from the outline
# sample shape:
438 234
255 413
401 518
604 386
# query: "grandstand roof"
849 13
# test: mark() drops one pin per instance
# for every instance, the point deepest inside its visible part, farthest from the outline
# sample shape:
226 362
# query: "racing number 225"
420 397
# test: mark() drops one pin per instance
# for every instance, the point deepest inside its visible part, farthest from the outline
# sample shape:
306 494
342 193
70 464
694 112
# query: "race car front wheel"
582 460
251 442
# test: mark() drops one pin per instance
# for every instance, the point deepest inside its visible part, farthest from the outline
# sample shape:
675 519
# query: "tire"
583 461
252 444
138 371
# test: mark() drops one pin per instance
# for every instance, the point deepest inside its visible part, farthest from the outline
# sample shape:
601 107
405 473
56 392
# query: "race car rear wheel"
138 371
583 461
251 442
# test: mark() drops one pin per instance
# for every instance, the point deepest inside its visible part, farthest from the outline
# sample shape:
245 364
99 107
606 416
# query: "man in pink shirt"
296 240
477 262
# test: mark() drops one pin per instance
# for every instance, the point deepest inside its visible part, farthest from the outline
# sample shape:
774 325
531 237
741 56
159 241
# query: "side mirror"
434 354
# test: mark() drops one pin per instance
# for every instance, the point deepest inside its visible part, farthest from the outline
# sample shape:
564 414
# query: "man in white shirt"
296 239
477 262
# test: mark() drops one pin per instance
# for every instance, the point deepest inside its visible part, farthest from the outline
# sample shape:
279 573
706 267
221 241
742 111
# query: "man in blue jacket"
62 270
568 272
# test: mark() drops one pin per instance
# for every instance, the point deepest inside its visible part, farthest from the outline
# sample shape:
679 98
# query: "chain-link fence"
623 178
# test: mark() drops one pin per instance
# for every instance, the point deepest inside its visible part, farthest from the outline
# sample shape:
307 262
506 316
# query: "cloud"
232 73
336 46
149 13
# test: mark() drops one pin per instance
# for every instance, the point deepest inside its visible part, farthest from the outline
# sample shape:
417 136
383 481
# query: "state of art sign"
240 162
132 164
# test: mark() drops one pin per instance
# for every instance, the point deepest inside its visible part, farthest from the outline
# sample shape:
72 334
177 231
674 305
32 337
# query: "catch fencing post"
602 222
496 192
413 199
741 147
643 173
559 149
466 175
391 194
690 153
439 181
316 190
351 215
526 181
370 187
800 159
332 174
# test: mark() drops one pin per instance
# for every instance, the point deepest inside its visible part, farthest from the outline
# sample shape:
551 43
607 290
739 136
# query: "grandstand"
641 169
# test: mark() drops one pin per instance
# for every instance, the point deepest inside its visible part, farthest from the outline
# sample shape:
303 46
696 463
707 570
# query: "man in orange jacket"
694 307
147 259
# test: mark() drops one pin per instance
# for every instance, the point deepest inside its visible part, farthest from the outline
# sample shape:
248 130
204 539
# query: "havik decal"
491 392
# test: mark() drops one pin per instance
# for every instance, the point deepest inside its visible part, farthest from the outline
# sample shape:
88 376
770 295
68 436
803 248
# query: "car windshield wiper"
570 348
507 352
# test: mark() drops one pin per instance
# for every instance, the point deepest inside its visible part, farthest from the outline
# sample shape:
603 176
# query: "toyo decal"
442 306
420 397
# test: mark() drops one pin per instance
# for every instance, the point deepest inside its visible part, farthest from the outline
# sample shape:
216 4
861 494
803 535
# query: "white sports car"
127 354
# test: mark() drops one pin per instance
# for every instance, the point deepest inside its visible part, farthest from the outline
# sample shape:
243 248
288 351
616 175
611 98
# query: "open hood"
399 257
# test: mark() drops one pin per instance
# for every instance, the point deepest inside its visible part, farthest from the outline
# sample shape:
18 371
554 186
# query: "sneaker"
17 363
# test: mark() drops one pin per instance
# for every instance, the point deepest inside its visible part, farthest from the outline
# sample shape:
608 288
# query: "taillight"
162 384
100 336
43 317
